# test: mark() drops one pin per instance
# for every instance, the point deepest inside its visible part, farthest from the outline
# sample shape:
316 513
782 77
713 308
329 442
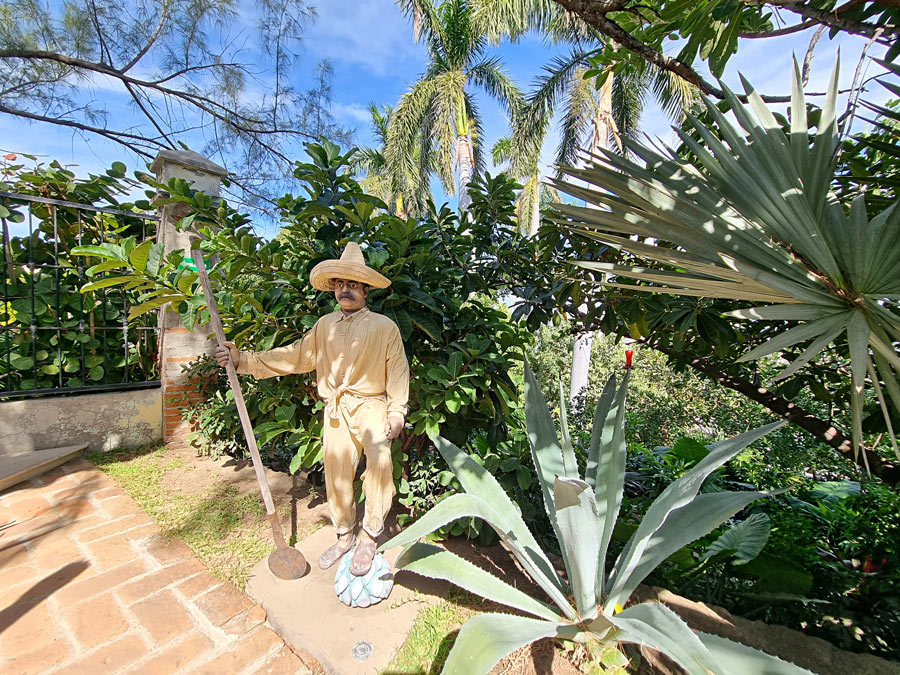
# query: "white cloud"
370 33
350 111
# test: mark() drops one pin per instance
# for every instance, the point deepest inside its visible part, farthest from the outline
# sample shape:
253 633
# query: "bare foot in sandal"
364 554
334 552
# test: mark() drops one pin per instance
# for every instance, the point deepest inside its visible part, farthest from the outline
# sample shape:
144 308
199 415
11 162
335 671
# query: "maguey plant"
753 218
587 602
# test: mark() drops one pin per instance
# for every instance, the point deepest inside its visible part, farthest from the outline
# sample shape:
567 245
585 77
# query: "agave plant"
587 601
757 221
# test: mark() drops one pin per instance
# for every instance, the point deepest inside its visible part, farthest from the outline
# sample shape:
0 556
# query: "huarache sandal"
362 557
334 552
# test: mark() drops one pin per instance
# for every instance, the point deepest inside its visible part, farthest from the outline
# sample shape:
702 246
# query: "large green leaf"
477 481
601 412
437 563
502 520
738 658
107 282
487 638
747 538
698 517
545 449
608 452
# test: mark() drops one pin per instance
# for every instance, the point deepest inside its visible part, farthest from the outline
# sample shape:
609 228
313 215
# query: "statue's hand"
223 352
393 425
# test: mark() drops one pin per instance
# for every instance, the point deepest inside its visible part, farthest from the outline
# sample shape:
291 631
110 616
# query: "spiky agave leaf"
605 469
655 625
487 638
678 516
756 222
580 531
437 563
486 499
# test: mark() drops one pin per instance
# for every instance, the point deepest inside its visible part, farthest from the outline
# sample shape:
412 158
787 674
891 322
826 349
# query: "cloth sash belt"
336 401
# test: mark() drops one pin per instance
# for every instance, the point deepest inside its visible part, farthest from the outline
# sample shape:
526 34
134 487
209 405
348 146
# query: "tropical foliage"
583 514
753 219
51 335
462 345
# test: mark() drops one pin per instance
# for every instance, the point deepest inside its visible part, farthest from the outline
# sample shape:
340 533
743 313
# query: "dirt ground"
292 495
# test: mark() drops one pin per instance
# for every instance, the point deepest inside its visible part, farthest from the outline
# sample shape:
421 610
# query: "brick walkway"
87 585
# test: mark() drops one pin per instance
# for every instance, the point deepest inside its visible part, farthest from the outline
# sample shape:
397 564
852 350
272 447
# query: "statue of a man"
363 377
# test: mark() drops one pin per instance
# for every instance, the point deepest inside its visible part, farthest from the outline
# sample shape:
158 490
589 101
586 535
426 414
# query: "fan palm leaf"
755 220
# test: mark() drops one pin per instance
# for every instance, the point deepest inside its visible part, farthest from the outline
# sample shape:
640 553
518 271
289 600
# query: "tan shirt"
361 354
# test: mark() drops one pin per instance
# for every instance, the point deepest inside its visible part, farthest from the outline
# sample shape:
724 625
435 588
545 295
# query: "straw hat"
351 266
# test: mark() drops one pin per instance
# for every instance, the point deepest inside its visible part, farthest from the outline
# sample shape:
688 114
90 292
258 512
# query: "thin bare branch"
807 60
117 136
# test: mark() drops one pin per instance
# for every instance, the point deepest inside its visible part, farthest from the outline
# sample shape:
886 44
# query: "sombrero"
351 266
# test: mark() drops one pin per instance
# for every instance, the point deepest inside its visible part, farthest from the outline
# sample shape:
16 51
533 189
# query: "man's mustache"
349 296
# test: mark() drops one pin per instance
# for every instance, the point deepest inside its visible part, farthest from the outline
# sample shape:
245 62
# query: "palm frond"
580 107
751 221
501 150
406 144
530 127
489 75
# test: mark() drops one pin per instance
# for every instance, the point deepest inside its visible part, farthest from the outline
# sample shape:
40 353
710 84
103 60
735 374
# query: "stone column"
178 346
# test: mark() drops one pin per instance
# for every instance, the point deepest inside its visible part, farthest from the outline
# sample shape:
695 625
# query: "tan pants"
359 427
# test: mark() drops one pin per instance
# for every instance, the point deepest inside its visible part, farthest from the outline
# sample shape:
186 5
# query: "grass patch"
227 532
432 635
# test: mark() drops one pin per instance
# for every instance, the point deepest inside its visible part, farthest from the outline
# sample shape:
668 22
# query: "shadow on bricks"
45 587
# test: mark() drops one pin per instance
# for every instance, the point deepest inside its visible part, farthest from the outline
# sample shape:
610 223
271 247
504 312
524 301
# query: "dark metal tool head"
288 563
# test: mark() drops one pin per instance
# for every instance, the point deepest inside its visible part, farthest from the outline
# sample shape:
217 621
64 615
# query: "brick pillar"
179 346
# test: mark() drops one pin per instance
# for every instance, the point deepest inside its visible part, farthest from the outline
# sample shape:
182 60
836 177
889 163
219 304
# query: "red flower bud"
628 354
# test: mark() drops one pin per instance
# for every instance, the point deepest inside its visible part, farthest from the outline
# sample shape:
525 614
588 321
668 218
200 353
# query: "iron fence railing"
53 338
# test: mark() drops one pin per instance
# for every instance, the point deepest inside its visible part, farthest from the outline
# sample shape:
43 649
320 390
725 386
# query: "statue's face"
350 295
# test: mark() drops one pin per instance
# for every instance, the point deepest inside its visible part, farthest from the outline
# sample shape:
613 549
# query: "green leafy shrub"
846 536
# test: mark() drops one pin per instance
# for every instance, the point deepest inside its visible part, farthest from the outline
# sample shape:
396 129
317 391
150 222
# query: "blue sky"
371 47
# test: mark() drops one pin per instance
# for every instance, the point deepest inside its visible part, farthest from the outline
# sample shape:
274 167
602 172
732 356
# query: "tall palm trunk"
465 159
581 349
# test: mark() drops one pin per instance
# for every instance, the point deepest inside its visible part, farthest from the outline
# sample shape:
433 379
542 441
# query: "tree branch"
594 14
822 430
159 26
117 136
779 32
832 18
191 69
215 109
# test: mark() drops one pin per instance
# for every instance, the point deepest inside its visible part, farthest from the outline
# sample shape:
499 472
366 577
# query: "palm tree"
438 116
592 116
406 196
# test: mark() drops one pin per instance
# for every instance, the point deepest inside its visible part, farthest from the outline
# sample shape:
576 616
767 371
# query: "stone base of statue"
366 590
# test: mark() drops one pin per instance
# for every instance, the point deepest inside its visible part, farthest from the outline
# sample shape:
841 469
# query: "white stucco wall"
105 421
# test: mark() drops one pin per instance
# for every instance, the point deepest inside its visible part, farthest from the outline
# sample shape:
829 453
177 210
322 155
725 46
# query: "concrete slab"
308 616
16 468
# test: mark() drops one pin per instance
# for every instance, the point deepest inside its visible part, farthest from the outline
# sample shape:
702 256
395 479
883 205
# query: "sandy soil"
291 494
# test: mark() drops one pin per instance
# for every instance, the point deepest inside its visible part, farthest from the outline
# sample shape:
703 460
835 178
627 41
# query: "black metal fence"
53 338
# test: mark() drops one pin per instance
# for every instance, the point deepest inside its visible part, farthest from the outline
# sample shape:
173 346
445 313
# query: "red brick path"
87 585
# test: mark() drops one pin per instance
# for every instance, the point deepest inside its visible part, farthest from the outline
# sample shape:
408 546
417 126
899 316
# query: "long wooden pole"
239 401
